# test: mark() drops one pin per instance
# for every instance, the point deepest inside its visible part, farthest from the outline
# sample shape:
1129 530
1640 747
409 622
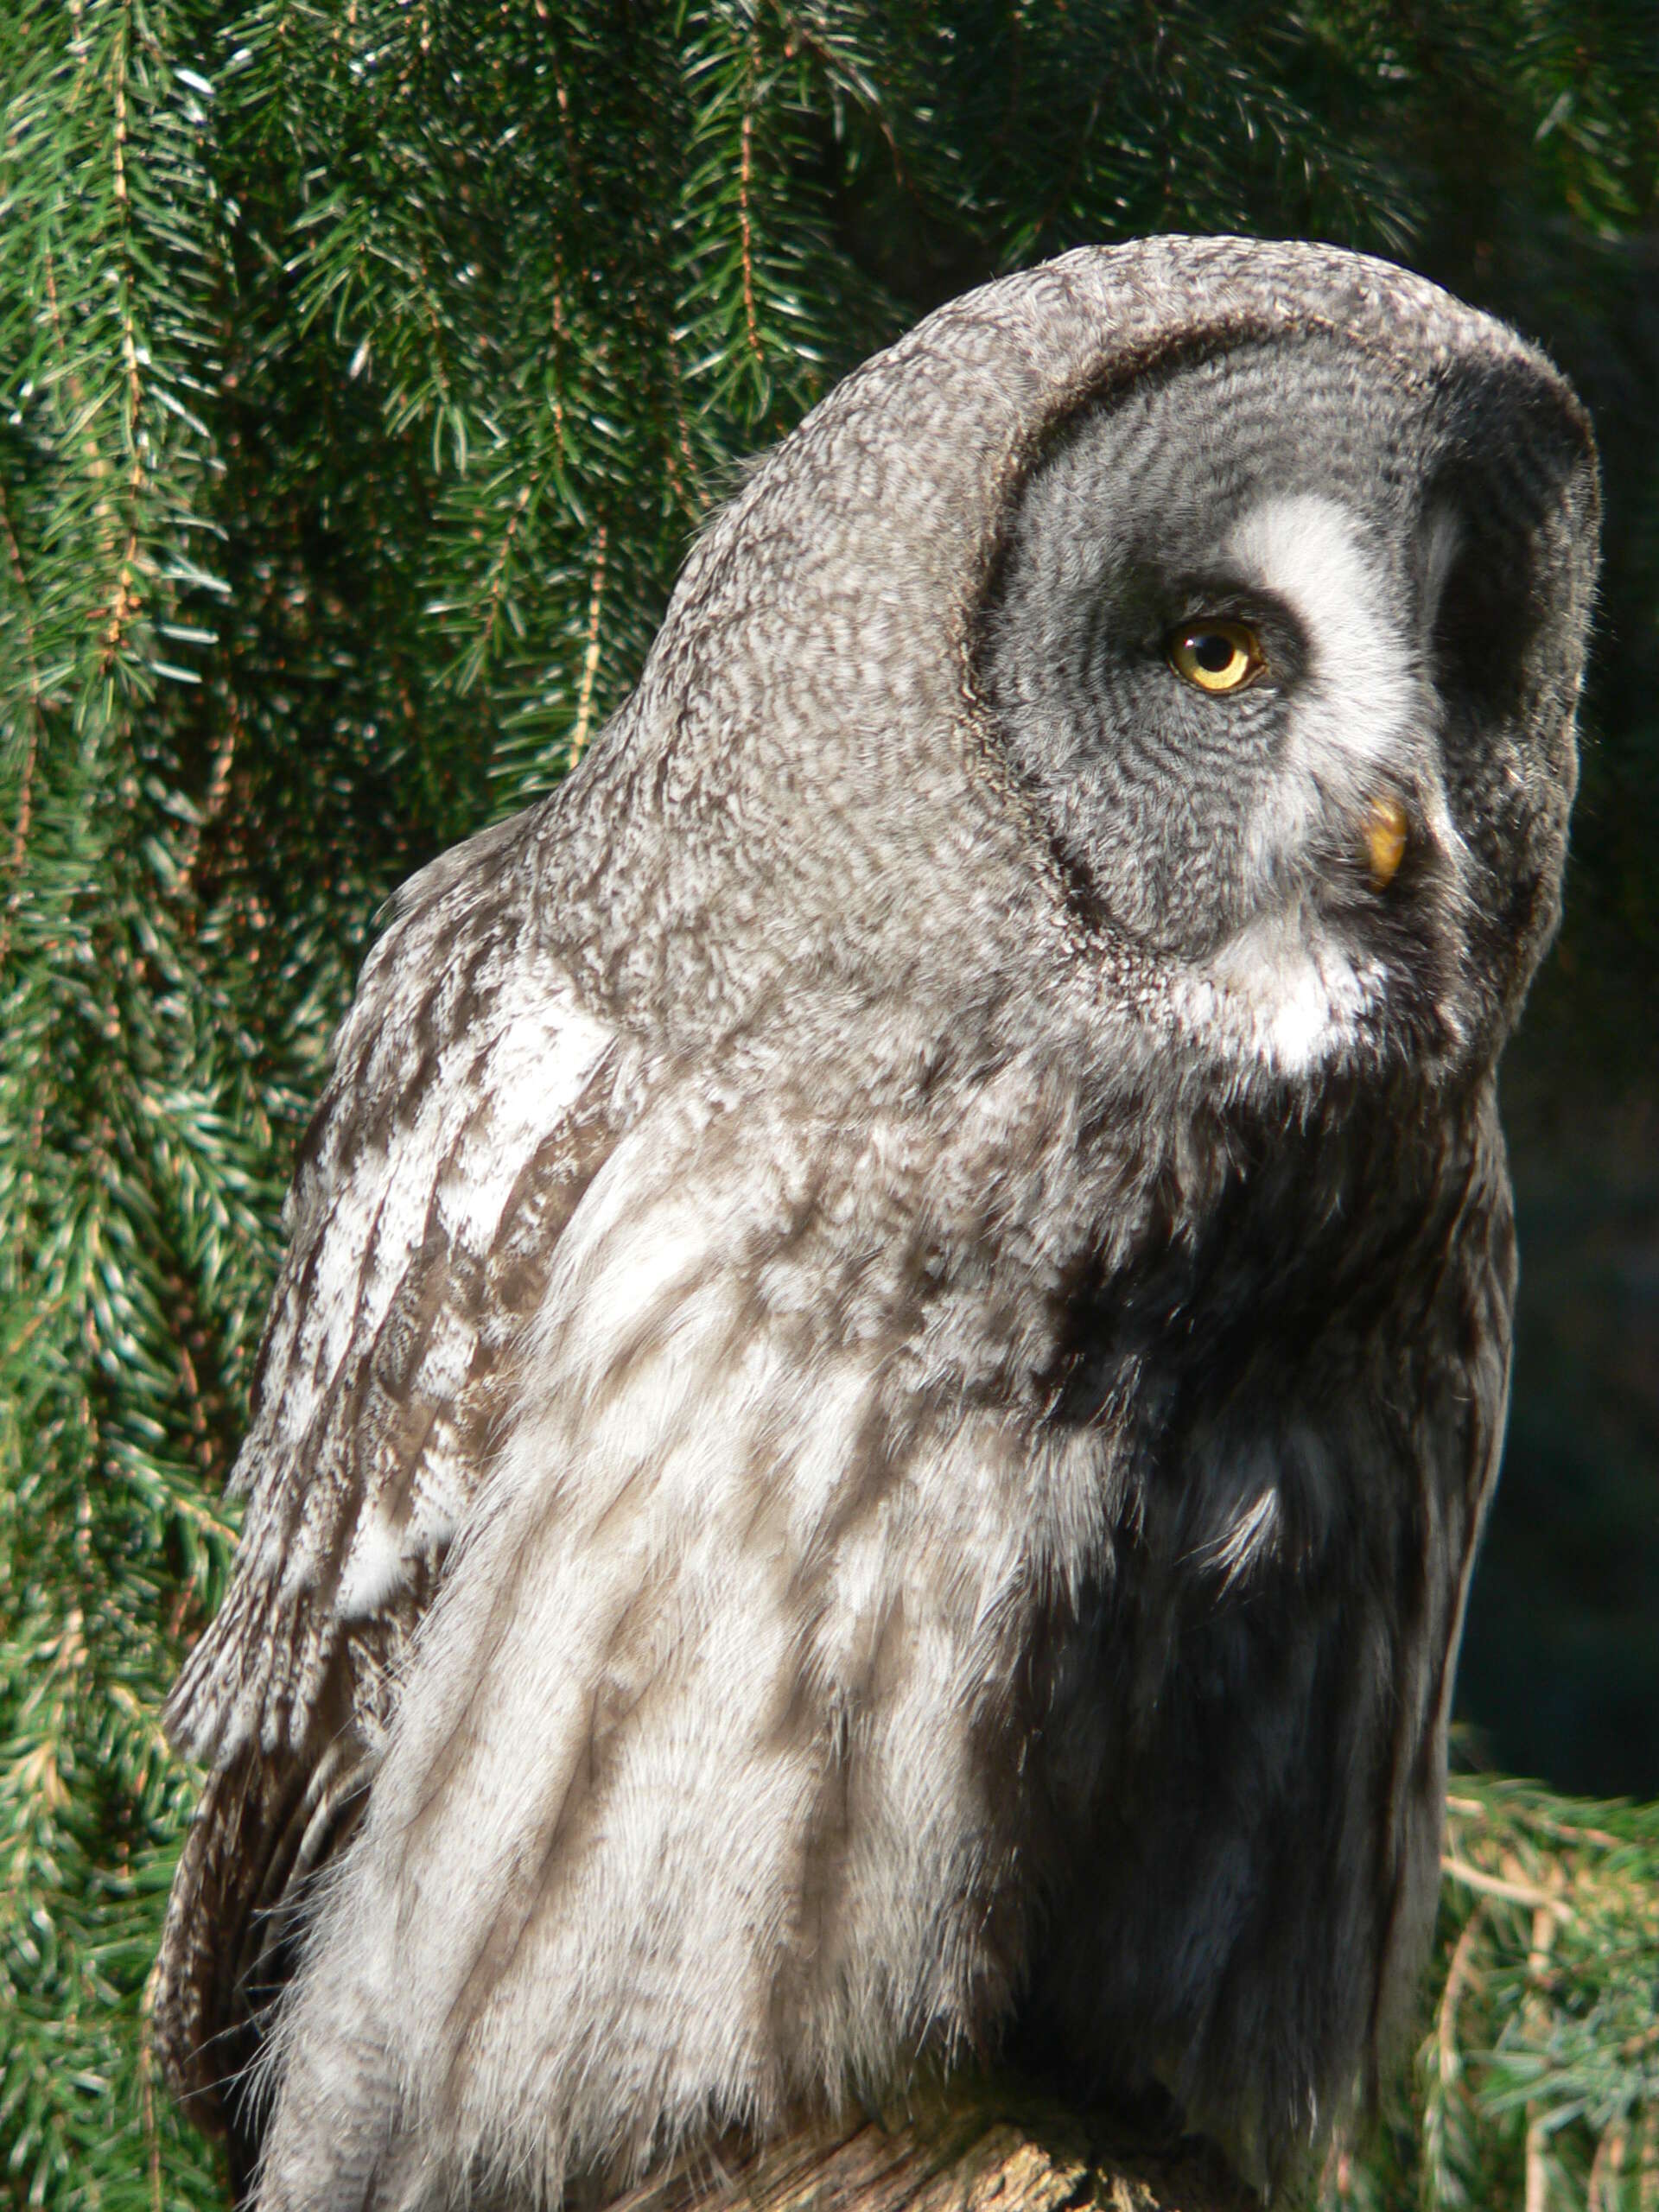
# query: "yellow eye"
1216 656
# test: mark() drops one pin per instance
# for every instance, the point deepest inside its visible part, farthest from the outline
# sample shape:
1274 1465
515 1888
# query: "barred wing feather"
472 1100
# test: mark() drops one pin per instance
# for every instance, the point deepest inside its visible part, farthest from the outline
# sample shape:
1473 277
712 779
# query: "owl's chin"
1286 995
1288 1000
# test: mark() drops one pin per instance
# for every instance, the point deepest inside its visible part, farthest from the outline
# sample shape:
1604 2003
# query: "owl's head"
1197 623
1282 641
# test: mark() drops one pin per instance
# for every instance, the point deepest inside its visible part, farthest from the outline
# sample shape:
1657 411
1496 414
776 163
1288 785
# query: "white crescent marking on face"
1360 710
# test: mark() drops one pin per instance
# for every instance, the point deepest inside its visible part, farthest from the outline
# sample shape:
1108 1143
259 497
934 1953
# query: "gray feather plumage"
898 1319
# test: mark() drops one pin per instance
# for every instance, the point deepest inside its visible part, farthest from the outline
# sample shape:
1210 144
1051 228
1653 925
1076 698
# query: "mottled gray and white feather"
897 1322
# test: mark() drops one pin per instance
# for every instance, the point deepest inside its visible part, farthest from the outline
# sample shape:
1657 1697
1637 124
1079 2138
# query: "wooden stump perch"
971 2147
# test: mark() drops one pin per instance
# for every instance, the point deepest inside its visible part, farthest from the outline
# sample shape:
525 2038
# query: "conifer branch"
590 656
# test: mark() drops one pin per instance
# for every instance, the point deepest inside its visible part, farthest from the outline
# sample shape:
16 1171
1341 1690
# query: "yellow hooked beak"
1385 833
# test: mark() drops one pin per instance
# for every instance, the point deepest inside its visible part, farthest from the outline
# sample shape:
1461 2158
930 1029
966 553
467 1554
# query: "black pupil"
1213 653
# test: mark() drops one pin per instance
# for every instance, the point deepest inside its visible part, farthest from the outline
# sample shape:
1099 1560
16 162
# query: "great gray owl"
898 1319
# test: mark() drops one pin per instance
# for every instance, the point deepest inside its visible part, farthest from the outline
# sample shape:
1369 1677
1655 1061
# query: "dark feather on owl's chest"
1232 1718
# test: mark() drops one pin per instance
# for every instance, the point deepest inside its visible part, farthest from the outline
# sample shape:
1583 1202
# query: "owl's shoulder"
469 1104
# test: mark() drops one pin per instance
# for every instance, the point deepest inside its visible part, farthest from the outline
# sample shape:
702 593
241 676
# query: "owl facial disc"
1242 653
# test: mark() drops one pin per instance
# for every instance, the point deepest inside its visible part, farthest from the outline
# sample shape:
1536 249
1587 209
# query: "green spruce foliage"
365 369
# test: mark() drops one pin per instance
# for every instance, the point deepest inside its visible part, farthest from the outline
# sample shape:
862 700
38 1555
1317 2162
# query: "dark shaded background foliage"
366 367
